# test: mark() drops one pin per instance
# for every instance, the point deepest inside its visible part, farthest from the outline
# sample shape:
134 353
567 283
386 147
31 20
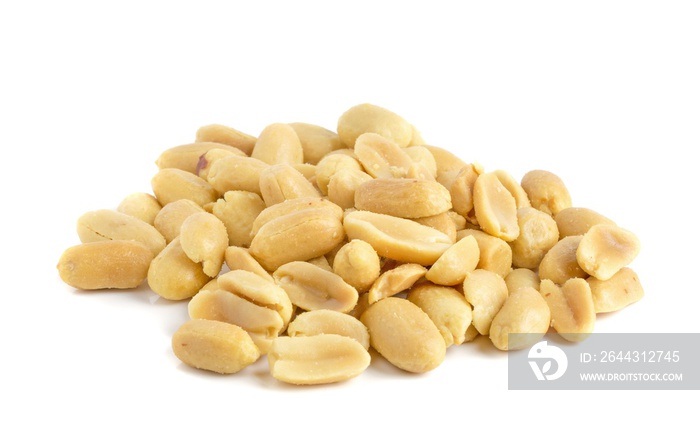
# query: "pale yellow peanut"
619 291
423 160
515 189
105 264
605 249
357 263
521 277
316 141
215 346
278 143
546 191
494 253
447 165
312 288
461 188
459 221
538 233
331 164
187 157
454 264
229 136
238 210
524 312
173 276
281 182
236 173
559 263
307 170
365 118
578 220
207 159
404 198
442 222
172 184
381 157
170 218
322 262
446 307
495 208
143 206
486 291
212 285
104 224
295 205
318 359
397 238
571 307
471 334
393 281
343 184
203 238
239 258
258 290
311 323
404 334
362 305
416 138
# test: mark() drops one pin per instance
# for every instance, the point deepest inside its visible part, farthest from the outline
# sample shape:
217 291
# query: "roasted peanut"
295 205
278 143
282 182
203 238
605 249
447 165
223 134
330 165
495 207
311 323
521 277
143 206
238 210
382 157
523 320
101 225
365 118
571 307
239 258
494 253
578 220
343 184
538 233
486 291
169 219
559 263
316 141
173 276
171 184
258 290
187 157
446 307
546 191
454 264
236 173
313 288
423 161
393 281
442 222
461 188
404 198
617 292
515 189
207 159
357 263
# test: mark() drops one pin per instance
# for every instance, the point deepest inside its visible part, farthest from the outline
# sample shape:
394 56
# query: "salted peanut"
382 157
172 184
486 292
106 264
318 359
514 188
454 264
343 184
258 290
207 159
238 210
461 188
578 220
313 288
282 182
442 222
104 224
521 277
307 170
397 238
229 136
494 253
362 305
495 208
617 292
169 220
459 221
173 276
424 161
322 262
404 334
262 323
278 143
215 346
311 323
393 281
203 238
297 236
546 191
143 206
365 118
559 264
447 165
186 157
605 249
446 307
471 333
416 138
404 198
316 141
236 173
239 258
212 285
295 205
331 164
538 233
571 307
524 313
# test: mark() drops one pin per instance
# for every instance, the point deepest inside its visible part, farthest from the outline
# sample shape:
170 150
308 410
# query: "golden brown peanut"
311 323
454 264
105 264
393 281
546 191
223 134
216 346
365 118
258 290
318 359
343 184
571 307
524 312
357 263
538 233
295 205
446 307
313 288
578 220
296 236
494 253
404 198
101 225
282 182
404 334
559 263
515 189
239 258
186 157
278 143
424 161
203 238
617 292
605 249
461 188
143 206
238 210
381 157
173 276
236 173
442 222
170 218
495 208
397 238
316 141
207 159
330 165
486 291
522 277
172 184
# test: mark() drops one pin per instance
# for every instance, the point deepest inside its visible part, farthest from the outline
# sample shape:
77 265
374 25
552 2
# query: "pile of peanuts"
311 247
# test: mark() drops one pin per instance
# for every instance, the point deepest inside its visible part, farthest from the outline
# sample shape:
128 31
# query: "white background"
604 93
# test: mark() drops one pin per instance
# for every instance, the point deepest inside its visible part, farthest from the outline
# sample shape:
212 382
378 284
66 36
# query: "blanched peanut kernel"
446 307
559 263
143 206
571 307
204 240
486 291
524 312
312 288
605 249
278 143
365 118
395 280
578 220
311 323
617 292
226 135
495 207
173 276
405 198
546 191
538 233
357 263
454 264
